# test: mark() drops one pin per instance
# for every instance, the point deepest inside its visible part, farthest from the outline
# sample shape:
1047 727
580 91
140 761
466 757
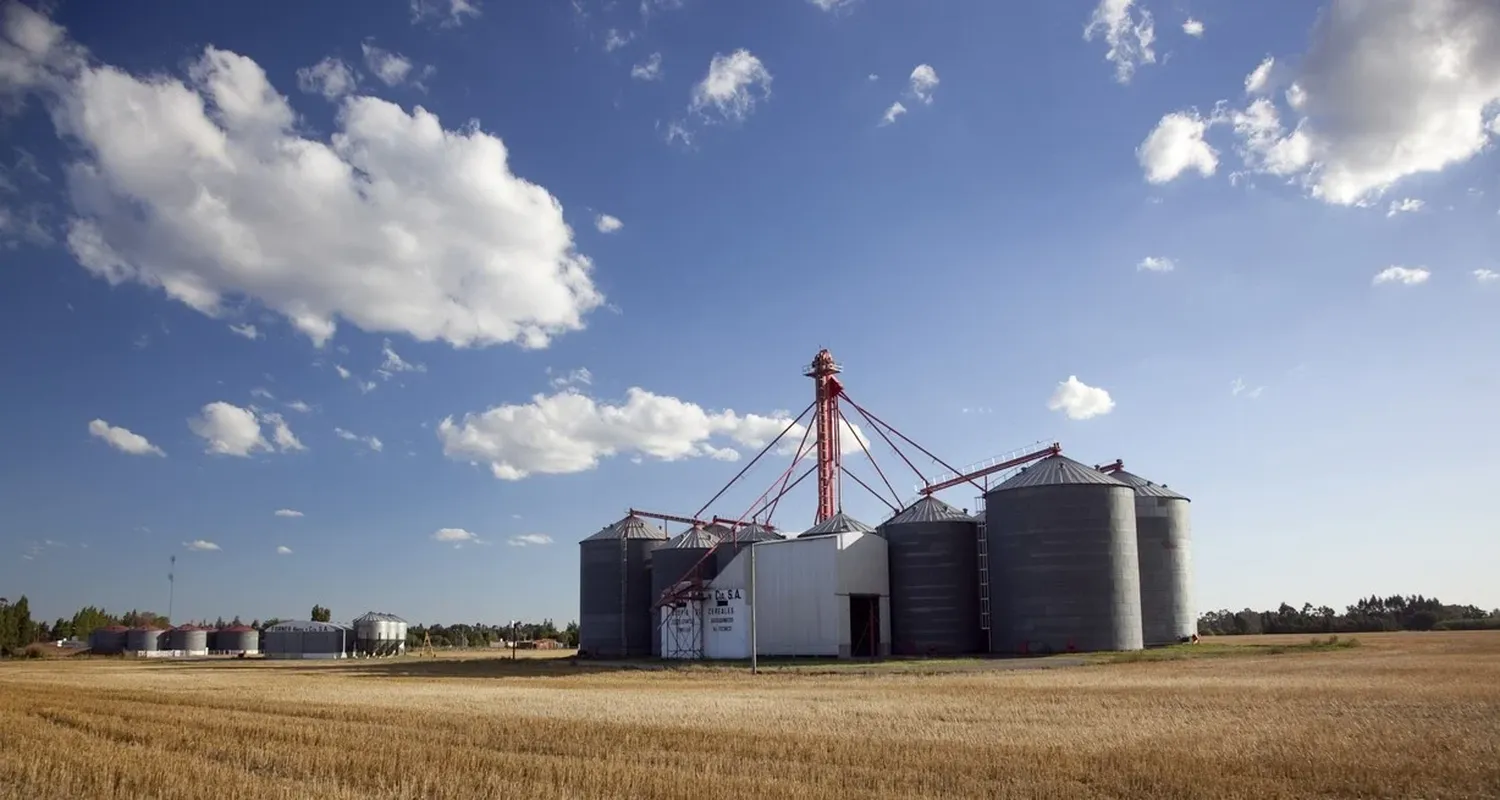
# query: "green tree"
321 614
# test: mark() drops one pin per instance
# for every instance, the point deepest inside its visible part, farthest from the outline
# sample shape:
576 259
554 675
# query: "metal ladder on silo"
984 570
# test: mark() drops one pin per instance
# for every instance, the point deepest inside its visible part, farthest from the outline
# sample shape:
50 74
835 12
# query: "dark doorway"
864 625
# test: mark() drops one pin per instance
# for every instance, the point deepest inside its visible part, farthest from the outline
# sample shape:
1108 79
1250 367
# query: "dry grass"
1403 715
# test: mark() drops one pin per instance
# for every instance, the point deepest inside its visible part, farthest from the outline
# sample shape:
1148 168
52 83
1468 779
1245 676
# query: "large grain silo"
934 554
108 640
681 555
144 641
1064 573
188 640
614 590
379 634
1164 542
730 545
237 640
838 523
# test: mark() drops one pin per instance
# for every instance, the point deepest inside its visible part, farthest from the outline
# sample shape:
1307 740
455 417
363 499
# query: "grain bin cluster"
373 635
179 642
1061 557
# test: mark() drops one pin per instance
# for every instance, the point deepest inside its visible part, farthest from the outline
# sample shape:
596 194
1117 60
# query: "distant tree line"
480 634
1370 614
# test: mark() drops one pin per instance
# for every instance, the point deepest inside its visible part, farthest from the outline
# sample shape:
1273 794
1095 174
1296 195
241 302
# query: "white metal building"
302 639
816 596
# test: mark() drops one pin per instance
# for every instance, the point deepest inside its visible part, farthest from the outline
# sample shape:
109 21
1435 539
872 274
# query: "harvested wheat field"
1399 716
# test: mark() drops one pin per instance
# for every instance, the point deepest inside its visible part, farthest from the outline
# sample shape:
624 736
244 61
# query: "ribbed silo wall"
934 574
144 640
232 640
107 641
669 565
614 597
1164 541
1064 573
188 641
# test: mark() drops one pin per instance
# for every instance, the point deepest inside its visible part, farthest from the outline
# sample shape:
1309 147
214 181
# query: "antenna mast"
826 408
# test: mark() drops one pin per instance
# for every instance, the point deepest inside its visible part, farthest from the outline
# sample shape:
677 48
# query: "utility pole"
513 625
754 657
171 586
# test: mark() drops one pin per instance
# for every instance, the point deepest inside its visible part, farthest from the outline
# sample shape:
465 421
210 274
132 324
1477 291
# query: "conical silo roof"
1145 488
1056 470
718 529
755 532
631 527
929 509
838 523
695 537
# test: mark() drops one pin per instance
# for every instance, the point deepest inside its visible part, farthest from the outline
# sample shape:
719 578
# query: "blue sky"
252 246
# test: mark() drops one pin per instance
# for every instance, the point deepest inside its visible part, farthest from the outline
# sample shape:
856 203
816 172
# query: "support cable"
846 471
878 470
904 438
763 451
777 499
888 441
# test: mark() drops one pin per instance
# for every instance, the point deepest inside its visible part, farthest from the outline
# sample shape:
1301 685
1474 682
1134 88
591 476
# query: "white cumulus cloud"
527 539
392 363
283 550
371 442
1386 90
1405 206
446 13
201 545
394 69
211 189
896 110
458 537
1259 79
577 377
1156 264
288 512
1486 275
230 430
1193 27
1409 276
246 330
732 87
570 432
1078 400
648 70
1129 32
330 77
922 81
123 439
1176 146
607 224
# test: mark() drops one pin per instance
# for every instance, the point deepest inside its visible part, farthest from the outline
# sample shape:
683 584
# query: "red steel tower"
826 407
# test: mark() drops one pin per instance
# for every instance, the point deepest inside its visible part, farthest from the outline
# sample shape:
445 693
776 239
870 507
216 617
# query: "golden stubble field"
1400 716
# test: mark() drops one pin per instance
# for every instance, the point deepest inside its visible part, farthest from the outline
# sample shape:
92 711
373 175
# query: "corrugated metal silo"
730 545
838 523
144 640
1164 541
188 639
674 560
614 590
1064 573
109 640
934 557
238 639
